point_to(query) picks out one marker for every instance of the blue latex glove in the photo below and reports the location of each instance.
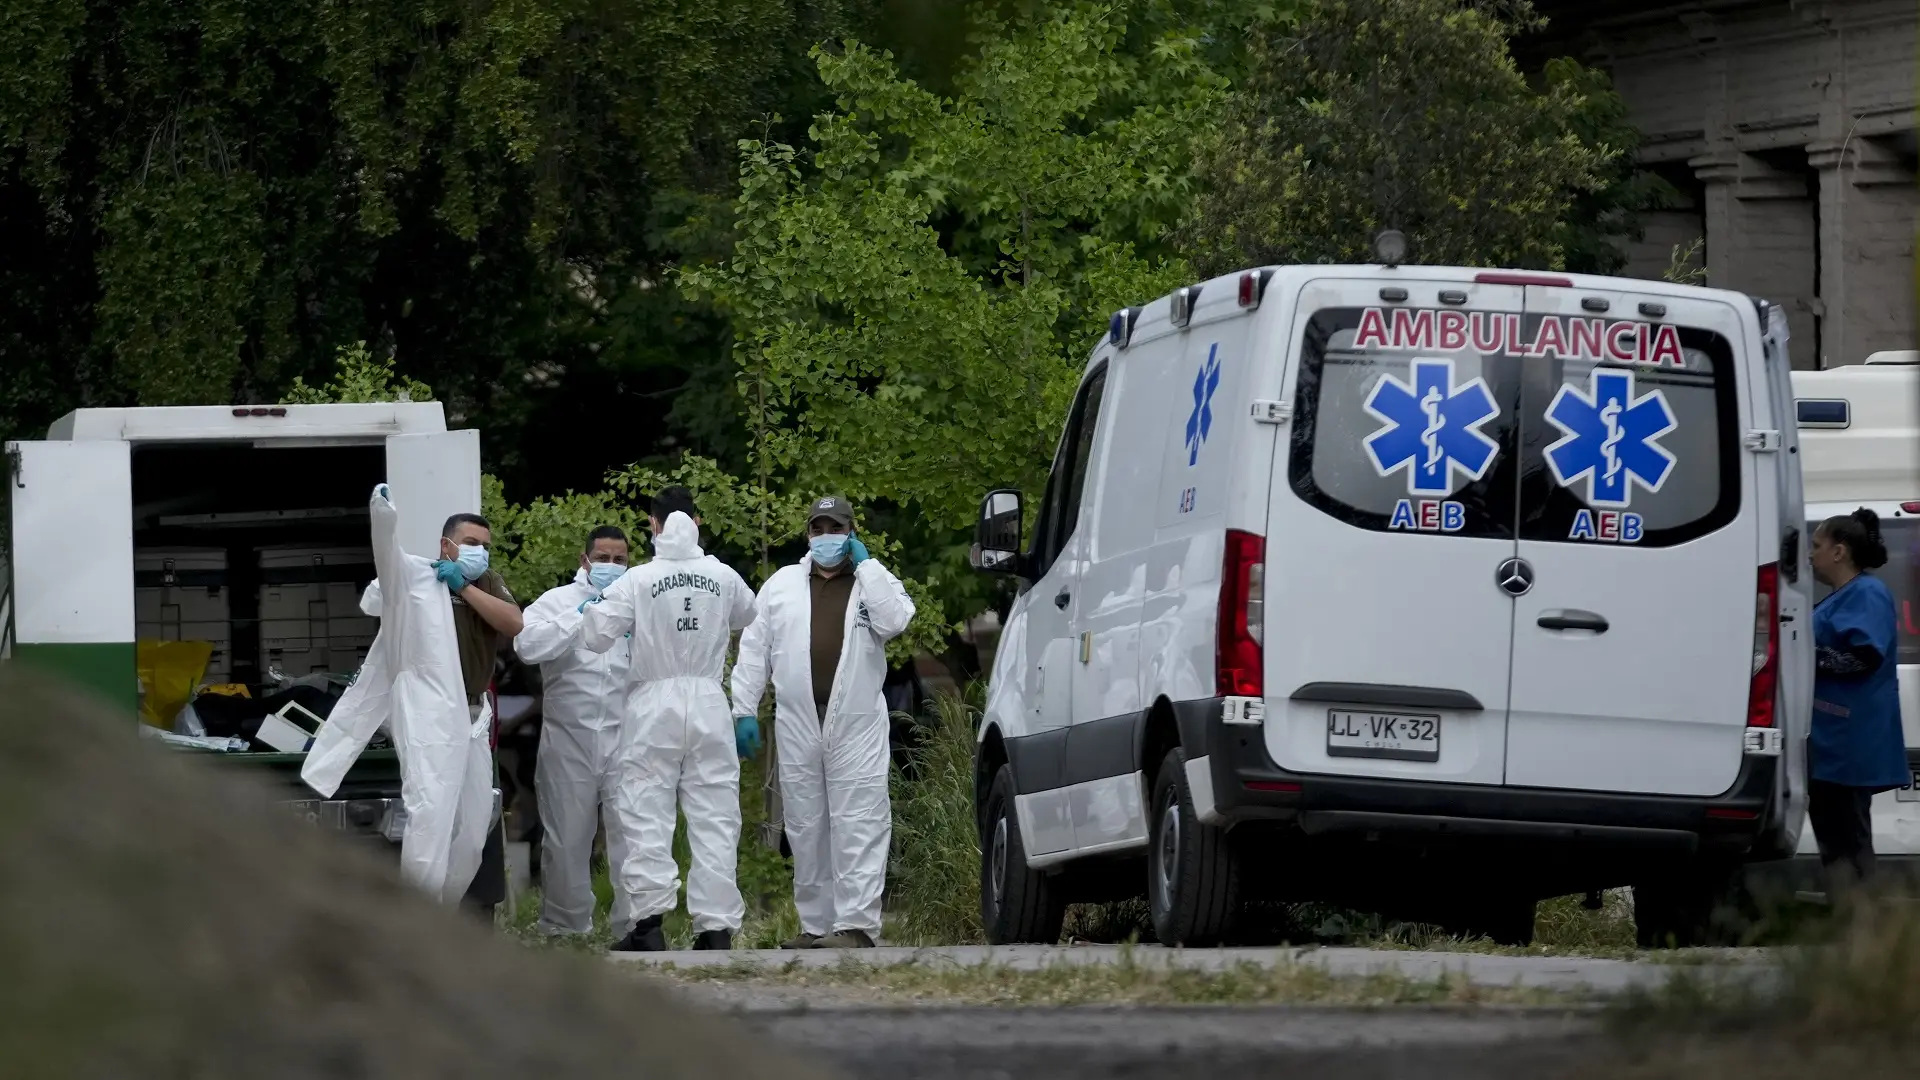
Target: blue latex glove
(450, 575)
(746, 736)
(857, 551)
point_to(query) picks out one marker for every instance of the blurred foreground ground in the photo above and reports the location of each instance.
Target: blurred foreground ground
(161, 920)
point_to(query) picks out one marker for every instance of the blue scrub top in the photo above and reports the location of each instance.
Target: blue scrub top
(1856, 722)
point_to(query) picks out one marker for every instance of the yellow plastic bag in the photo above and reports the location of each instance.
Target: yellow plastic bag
(228, 689)
(170, 672)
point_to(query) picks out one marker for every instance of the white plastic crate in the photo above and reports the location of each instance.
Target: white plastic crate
(309, 622)
(191, 587)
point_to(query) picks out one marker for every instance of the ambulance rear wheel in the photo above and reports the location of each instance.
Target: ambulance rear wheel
(1692, 907)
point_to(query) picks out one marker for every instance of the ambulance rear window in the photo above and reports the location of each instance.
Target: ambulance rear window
(1392, 440)
(1644, 453)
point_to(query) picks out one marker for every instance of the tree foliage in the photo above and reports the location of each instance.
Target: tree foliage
(201, 199)
(913, 301)
(543, 210)
(1361, 115)
(358, 376)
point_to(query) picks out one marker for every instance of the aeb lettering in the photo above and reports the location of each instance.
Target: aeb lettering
(1607, 526)
(1428, 515)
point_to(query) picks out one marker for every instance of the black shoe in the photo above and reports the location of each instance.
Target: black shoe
(713, 941)
(846, 939)
(646, 936)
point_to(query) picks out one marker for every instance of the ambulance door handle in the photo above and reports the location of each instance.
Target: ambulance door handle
(1574, 620)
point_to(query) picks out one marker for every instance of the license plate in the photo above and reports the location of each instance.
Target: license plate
(1910, 793)
(1396, 736)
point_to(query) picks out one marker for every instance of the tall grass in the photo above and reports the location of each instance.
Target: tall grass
(934, 879)
(1846, 1003)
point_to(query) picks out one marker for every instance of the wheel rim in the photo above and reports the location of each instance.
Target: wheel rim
(997, 863)
(1168, 852)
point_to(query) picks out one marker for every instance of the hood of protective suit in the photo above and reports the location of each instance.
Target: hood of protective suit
(679, 538)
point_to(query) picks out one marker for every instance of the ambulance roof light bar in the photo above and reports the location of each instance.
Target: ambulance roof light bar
(1496, 277)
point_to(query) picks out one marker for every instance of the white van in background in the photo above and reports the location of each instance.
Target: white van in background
(1426, 590)
(1860, 446)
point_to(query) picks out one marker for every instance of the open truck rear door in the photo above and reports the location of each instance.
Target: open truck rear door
(69, 497)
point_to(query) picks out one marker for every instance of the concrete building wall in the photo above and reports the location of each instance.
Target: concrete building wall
(1789, 125)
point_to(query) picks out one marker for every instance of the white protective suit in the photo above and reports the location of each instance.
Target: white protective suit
(411, 684)
(583, 699)
(833, 773)
(681, 608)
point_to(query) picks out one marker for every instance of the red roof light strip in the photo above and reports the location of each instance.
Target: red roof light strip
(1497, 278)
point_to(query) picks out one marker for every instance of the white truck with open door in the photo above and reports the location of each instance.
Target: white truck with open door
(1860, 446)
(241, 528)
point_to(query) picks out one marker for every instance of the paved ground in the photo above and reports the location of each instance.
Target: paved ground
(1570, 974)
(1201, 1043)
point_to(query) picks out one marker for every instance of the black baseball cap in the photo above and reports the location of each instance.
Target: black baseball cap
(669, 499)
(833, 508)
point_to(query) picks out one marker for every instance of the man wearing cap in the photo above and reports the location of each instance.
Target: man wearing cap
(820, 631)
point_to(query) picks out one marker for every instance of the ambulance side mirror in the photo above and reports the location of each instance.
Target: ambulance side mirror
(996, 538)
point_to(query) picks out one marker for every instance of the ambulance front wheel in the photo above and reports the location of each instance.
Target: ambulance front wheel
(1018, 905)
(1193, 878)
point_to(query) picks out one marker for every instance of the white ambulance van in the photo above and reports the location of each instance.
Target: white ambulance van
(1860, 446)
(1430, 591)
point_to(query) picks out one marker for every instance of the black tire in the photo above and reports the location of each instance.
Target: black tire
(1193, 879)
(1689, 908)
(1018, 905)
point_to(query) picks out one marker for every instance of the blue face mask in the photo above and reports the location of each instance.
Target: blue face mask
(601, 575)
(828, 549)
(473, 561)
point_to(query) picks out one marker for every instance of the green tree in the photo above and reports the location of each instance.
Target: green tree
(1599, 220)
(358, 376)
(1362, 115)
(913, 301)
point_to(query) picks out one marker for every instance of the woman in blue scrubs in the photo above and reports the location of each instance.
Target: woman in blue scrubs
(1857, 746)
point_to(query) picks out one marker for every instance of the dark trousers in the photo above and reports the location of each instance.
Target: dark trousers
(1842, 820)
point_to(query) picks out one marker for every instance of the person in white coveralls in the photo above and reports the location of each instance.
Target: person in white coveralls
(820, 633)
(584, 698)
(681, 609)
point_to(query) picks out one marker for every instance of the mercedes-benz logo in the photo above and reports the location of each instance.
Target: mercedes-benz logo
(1514, 576)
